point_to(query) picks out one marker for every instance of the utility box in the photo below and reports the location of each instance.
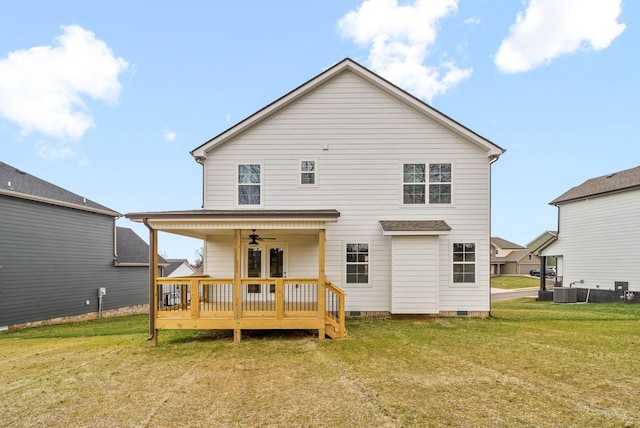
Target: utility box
(565, 295)
(102, 291)
(621, 286)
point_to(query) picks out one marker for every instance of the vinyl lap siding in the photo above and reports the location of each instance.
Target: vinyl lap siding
(369, 135)
(54, 259)
(415, 279)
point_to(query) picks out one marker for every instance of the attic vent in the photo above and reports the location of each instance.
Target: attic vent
(9, 184)
(609, 176)
(21, 172)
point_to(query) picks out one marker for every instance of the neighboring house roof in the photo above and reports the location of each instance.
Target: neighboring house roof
(611, 183)
(516, 255)
(504, 244)
(19, 184)
(131, 250)
(175, 264)
(550, 236)
(493, 150)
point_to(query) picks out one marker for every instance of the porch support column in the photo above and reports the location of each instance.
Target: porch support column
(153, 274)
(543, 273)
(322, 294)
(237, 284)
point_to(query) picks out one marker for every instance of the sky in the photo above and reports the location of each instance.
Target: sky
(107, 98)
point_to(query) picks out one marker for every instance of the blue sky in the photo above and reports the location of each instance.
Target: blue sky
(107, 98)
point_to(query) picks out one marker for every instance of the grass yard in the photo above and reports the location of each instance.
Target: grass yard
(533, 364)
(514, 282)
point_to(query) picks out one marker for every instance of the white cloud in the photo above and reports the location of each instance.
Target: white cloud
(474, 21)
(42, 88)
(168, 136)
(549, 29)
(59, 152)
(400, 39)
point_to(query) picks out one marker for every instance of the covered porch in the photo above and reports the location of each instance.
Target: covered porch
(246, 283)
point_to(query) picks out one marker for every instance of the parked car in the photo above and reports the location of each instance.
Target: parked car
(548, 272)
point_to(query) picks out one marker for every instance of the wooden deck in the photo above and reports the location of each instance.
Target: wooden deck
(249, 304)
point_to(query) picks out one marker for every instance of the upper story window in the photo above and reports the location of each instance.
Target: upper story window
(415, 180)
(464, 263)
(440, 183)
(249, 184)
(307, 172)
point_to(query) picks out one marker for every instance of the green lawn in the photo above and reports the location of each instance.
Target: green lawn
(532, 364)
(513, 282)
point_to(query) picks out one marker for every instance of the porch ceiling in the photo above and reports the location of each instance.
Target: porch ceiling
(200, 223)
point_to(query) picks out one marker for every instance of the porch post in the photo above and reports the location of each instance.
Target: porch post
(322, 294)
(153, 274)
(237, 284)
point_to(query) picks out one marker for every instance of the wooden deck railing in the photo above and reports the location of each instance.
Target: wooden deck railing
(252, 303)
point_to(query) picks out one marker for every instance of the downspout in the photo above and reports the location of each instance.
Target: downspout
(152, 268)
(200, 160)
(492, 159)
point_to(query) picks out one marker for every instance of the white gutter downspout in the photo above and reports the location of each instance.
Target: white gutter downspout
(492, 159)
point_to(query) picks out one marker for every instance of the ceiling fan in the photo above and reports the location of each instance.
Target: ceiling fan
(255, 238)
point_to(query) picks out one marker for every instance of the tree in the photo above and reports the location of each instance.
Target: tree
(199, 258)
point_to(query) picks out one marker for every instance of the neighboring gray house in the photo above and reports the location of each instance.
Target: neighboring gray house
(598, 233)
(57, 249)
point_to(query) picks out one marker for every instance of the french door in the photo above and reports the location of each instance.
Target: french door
(265, 261)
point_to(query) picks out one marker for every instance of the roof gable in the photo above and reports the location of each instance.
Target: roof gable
(628, 179)
(348, 65)
(19, 184)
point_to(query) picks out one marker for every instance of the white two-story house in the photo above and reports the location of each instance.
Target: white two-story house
(352, 182)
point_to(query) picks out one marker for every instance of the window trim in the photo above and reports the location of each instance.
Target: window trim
(260, 184)
(346, 263)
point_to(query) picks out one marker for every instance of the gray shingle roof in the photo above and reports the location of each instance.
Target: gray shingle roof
(17, 183)
(611, 183)
(173, 265)
(131, 248)
(414, 226)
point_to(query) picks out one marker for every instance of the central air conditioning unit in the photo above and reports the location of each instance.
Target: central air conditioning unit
(565, 295)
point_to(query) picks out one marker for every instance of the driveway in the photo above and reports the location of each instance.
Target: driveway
(498, 294)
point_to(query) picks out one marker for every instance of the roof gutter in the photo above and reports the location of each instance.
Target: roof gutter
(152, 282)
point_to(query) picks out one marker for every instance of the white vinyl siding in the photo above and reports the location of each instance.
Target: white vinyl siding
(415, 265)
(362, 136)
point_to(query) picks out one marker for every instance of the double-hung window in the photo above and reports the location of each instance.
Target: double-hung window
(440, 183)
(249, 184)
(421, 179)
(413, 177)
(357, 263)
(464, 263)
(308, 172)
